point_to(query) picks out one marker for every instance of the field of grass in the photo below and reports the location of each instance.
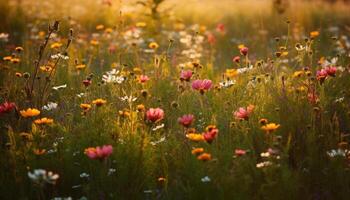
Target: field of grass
(174, 99)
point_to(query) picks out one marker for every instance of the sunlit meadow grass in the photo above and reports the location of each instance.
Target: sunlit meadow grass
(174, 99)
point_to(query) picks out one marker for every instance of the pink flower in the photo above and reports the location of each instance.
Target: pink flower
(99, 153)
(236, 59)
(143, 78)
(312, 97)
(7, 107)
(331, 70)
(211, 38)
(242, 113)
(240, 152)
(321, 75)
(186, 120)
(210, 135)
(244, 51)
(155, 114)
(112, 49)
(186, 75)
(202, 85)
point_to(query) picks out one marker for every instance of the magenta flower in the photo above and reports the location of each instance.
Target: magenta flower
(244, 113)
(186, 75)
(202, 85)
(186, 120)
(155, 114)
(99, 153)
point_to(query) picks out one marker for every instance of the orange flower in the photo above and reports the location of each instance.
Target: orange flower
(204, 157)
(99, 102)
(197, 151)
(44, 121)
(85, 106)
(30, 112)
(39, 152)
(153, 45)
(80, 66)
(56, 45)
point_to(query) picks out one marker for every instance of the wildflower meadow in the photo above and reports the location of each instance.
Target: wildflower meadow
(175, 99)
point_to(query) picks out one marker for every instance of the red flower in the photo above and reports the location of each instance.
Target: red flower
(210, 135)
(155, 114)
(7, 107)
(87, 82)
(186, 120)
(220, 28)
(331, 70)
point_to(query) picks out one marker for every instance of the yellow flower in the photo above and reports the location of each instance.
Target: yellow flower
(314, 34)
(80, 66)
(56, 45)
(137, 70)
(204, 156)
(271, 127)
(231, 73)
(44, 121)
(241, 46)
(46, 68)
(30, 112)
(197, 151)
(141, 24)
(210, 127)
(85, 106)
(284, 53)
(153, 45)
(298, 74)
(99, 102)
(196, 137)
